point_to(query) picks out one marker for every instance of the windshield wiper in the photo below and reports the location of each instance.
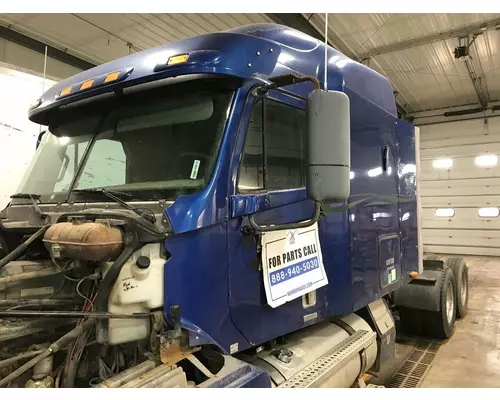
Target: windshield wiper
(148, 215)
(26, 196)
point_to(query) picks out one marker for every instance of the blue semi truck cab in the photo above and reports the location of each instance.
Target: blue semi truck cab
(235, 210)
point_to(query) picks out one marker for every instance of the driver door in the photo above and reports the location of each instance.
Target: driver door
(271, 186)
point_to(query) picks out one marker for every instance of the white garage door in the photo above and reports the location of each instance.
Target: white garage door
(460, 187)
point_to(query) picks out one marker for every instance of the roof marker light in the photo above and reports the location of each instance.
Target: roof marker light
(182, 58)
(87, 84)
(113, 76)
(66, 91)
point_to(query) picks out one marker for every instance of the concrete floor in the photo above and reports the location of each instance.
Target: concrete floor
(471, 358)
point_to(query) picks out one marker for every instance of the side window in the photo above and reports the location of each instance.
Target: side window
(251, 173)
(280, 163)
(285, 153)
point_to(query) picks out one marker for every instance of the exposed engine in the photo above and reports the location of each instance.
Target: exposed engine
(82, 300)
(82, 305)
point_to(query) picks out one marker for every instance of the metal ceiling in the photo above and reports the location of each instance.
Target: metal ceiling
(415, 51)
(98, 38)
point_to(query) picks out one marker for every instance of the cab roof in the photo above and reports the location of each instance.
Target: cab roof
(259, 50)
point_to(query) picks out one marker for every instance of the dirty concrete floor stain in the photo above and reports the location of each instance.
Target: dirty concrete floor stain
(471, 358)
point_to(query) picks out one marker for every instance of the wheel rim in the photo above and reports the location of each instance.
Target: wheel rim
(463, 289)
(450, 306)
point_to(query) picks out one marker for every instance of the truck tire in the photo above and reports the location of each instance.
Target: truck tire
(411, 321)
(440, 324)
(461, 273)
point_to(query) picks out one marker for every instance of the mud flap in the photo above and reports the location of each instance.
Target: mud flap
(423, 292)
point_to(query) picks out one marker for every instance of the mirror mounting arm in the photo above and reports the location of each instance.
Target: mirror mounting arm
(261, 228)
(287, 80)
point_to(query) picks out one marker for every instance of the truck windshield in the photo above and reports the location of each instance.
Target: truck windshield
(154, 148)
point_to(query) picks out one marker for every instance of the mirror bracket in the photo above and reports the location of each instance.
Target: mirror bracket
(285, 80)
(39, 139)
(269, 228)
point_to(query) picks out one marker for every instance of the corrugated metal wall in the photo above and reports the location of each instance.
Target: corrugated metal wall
(460, 179)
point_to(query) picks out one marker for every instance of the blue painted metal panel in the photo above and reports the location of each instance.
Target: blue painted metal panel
(218, 53)
(211, 273)
(370, 212)
(306, 55)
(257, 321)
(196, 279)
(407, 187)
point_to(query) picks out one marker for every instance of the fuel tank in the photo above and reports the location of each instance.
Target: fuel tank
(326, 355)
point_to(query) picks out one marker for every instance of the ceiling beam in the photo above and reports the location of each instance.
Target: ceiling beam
(300, 23)
(296, 21)
(482, 95)
(39, 47)
(454, 33)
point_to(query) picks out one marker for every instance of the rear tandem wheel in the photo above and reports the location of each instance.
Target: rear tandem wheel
(461, 273)
(437, 324)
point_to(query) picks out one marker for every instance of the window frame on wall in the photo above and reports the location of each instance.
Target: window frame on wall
(486, 160)
(259, 109)
(444, 209)
(485, 210)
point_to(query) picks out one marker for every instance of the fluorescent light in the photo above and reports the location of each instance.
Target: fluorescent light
(488, 212)
(375, 172)
(389, 170)
(405, 216)
(352, 174)
(443, 163)
(445, 212)
(352, 217)
(486, 160)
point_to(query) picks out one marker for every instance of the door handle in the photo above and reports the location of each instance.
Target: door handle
(385, 158)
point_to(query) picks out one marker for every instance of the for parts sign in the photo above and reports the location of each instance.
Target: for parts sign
(292, 264)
